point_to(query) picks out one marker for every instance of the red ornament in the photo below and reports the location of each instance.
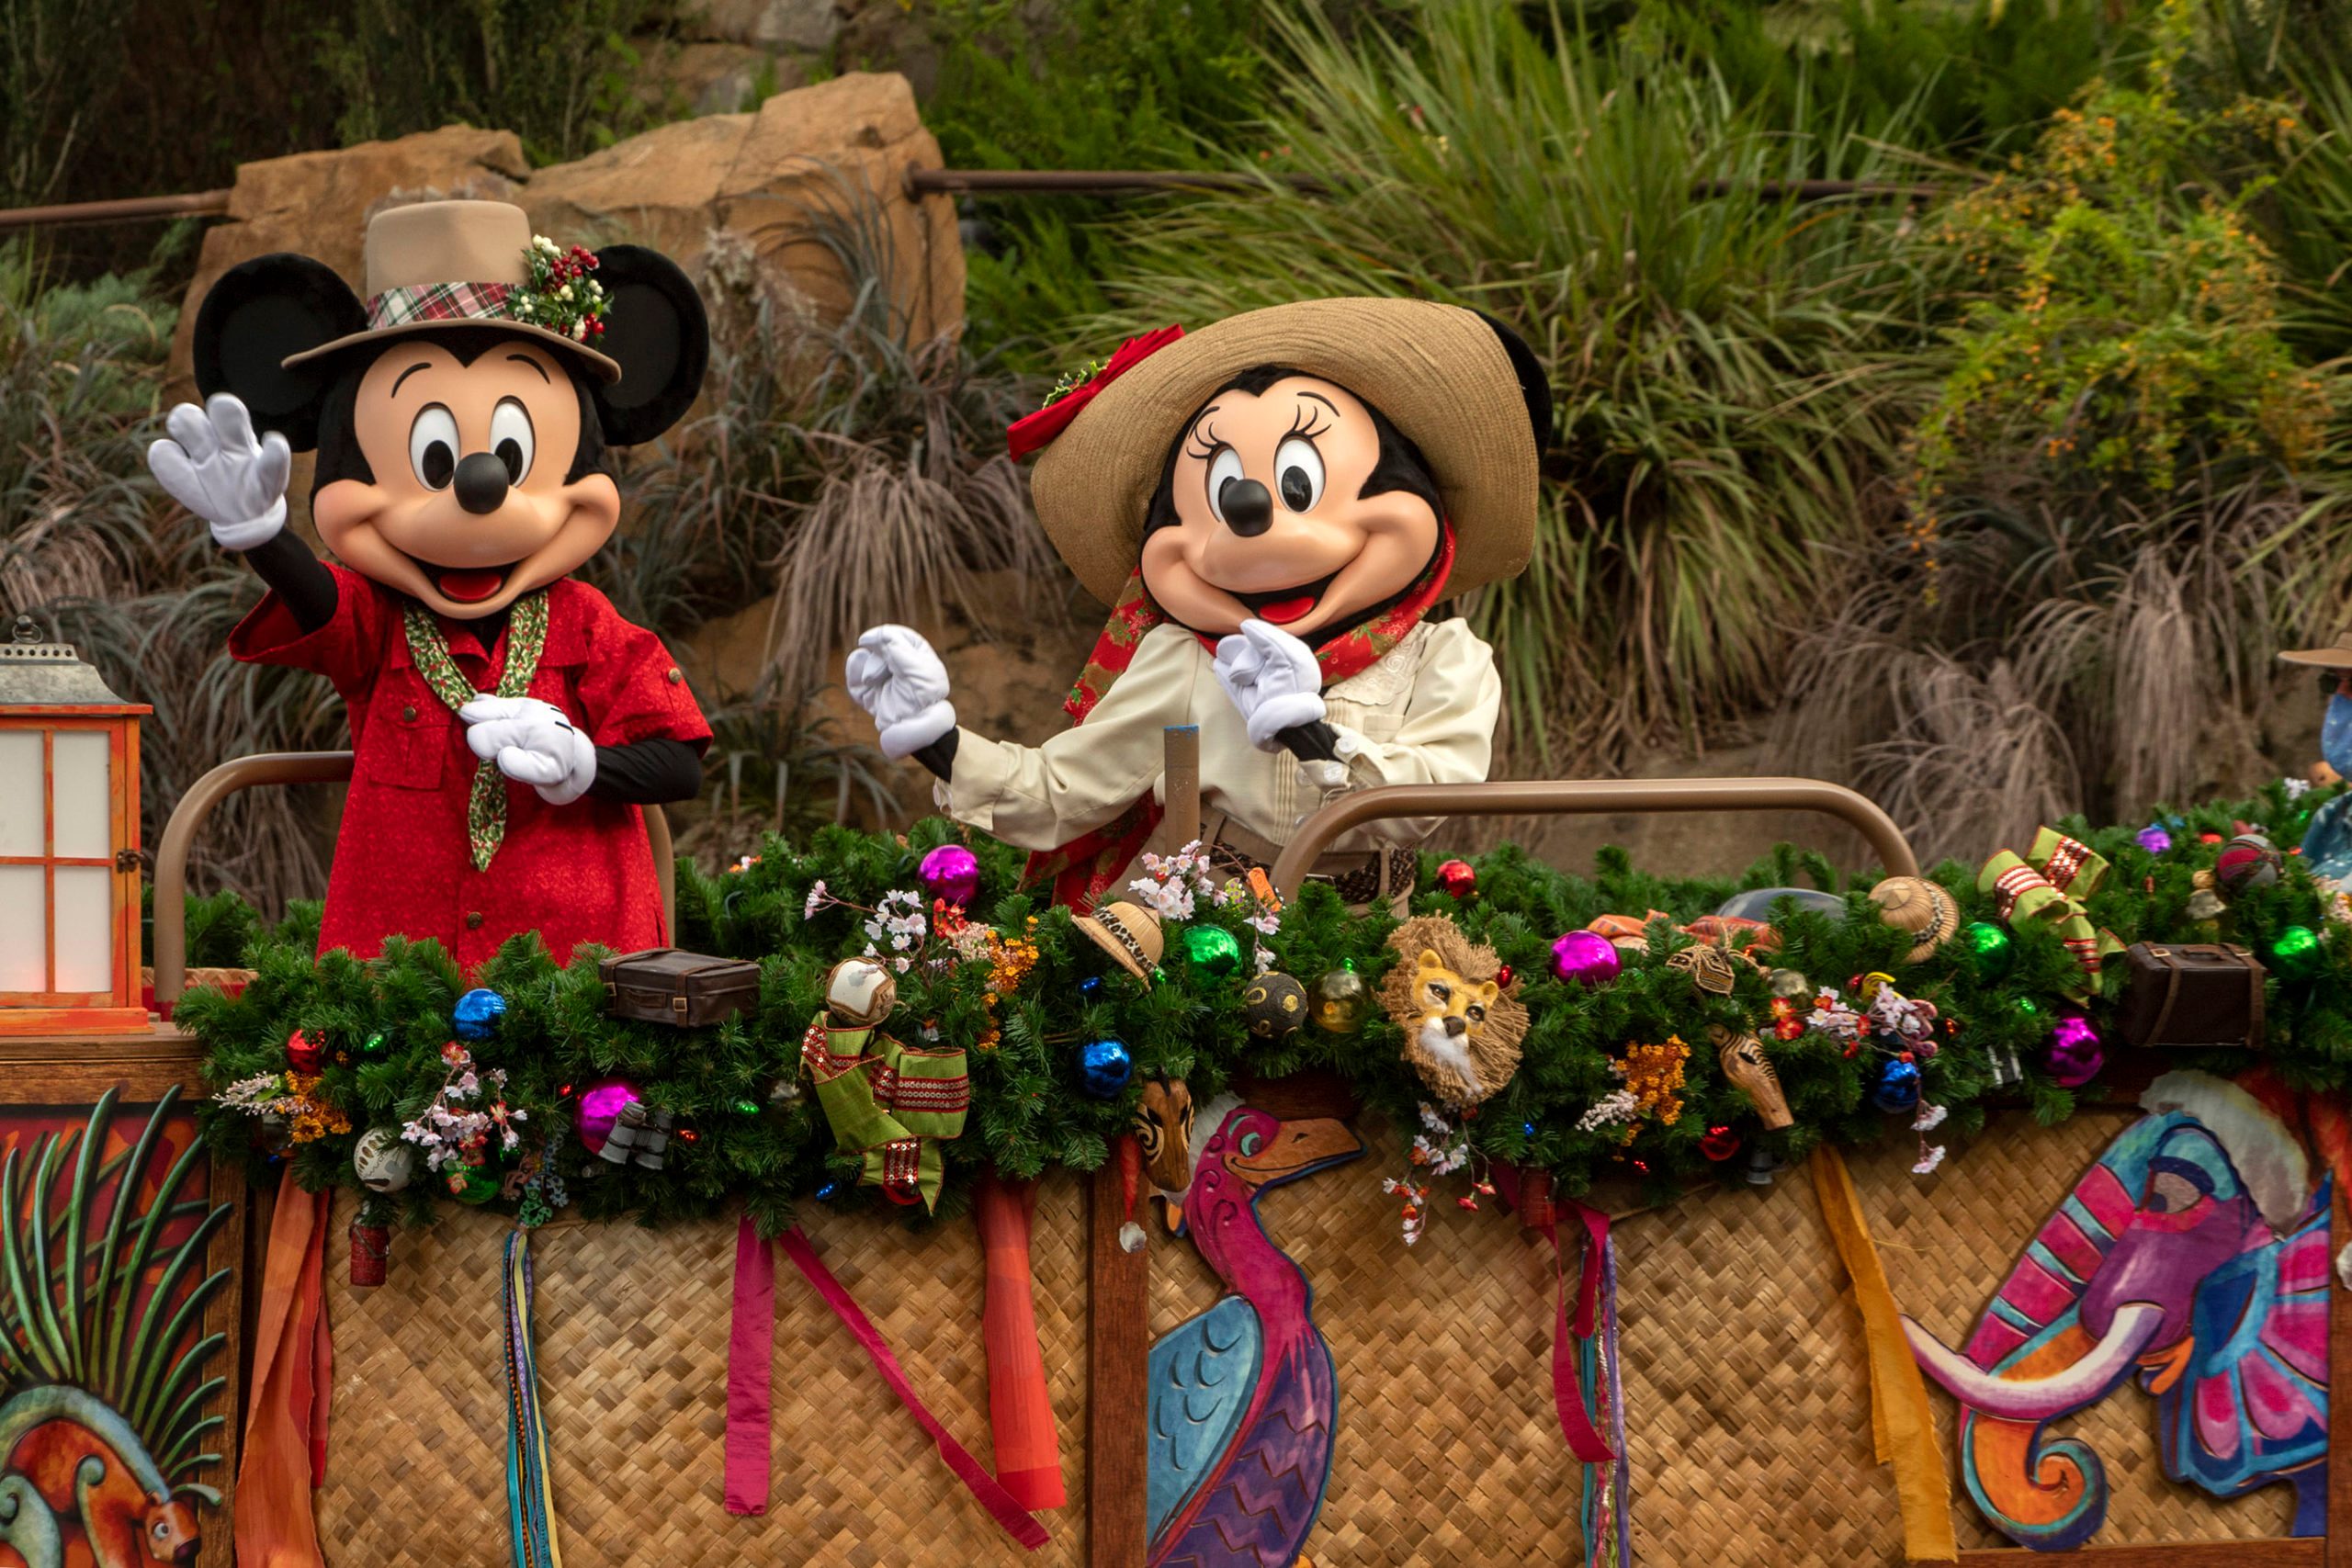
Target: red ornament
(1720, 1143)
(1033, 433)
(305, 1053)
(2209, 838)
(1458, 878)
(1502, 977)
(371, 1246)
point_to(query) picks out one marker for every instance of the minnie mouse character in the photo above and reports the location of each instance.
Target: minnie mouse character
(462, 416)
(1275, 505)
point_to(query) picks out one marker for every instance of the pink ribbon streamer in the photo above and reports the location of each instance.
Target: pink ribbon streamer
(750, 1363)
(1584, 1440)
(1008, 1513)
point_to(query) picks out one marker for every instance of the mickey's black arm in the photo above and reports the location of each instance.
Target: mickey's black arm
(285, 563)
(648, 772)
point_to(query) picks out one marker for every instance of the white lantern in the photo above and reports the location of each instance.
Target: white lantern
(69, 844)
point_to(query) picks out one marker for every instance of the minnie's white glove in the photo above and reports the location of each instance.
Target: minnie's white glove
(1273, 678)
(211, 463)
(533, 743)
(897, 677)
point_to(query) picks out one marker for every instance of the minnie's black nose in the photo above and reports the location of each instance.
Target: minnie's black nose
(480, 483)
(1248, 507)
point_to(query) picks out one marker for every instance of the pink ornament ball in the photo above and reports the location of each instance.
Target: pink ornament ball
(951, 872)
(600, 1108)
(2075, 1055)
(1589, 958)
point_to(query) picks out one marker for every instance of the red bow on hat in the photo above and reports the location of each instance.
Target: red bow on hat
(1031, 432)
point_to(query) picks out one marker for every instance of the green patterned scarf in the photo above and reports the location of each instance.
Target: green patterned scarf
(526, 637)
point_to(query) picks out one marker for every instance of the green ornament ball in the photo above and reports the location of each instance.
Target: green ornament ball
(1988, 941)
(1213, 950)
(473, 1184)
(1341, 1002)
(1275, 1007)
(2297, 952)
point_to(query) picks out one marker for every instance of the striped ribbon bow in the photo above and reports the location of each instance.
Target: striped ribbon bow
(2049, 883)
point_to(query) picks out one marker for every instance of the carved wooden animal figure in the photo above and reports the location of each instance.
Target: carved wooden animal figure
(1462, 1025)
(85, 1463)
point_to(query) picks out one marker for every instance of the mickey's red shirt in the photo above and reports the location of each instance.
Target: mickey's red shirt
(578, 872)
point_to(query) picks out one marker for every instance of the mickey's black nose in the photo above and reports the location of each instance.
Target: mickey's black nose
(1248, 507)
(480, 483)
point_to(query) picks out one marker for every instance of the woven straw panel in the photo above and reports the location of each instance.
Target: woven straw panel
(1747, 1399)
(632, 1329)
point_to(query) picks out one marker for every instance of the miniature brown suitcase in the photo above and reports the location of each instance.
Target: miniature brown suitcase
(2191, 994)
(668, 985)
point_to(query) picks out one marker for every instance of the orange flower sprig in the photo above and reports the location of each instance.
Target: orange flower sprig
(1654, 1075)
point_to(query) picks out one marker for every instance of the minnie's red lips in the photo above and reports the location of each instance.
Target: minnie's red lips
(469, 587)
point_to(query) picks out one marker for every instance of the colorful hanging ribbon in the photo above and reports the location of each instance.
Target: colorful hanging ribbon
(1530, 1193)
(286, 1421)
(1902, 1424)
(530, 1496)
(2048, 884)
(751, 1349)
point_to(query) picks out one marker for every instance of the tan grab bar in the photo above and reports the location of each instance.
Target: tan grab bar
(291, 767)
(1586, 798)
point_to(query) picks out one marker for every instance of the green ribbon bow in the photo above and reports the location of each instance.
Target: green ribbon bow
(889, 1104)
(2047, 883)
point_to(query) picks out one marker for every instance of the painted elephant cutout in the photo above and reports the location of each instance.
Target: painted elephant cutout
(2194, 1252)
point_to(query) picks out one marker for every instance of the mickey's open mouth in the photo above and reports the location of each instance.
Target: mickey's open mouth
(1284, 605)
(466, 584)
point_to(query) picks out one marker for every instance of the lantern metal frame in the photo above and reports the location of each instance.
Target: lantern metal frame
(45, 689)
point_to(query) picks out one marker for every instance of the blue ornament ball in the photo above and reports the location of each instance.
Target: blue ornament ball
(1103, 1067)
(1898, 1086)
(476, 1014)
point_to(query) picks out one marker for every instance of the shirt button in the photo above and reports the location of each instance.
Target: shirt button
(473, 920)
(676, 675)
(408, 712)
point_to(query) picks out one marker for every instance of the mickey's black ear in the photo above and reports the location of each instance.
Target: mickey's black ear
(1533, 386)
(259, 312)
(655, 329)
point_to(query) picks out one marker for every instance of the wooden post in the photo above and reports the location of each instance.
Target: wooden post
(2339, 1389)
(1179, 767)
(1119, 1340)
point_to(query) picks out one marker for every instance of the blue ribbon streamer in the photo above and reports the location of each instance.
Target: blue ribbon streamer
(530, 1504)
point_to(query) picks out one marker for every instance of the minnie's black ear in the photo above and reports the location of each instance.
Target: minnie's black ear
(655, 329)
(259, 312)
(1533, 386)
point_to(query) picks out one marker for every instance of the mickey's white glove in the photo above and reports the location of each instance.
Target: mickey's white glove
(211, 465)
(1273, 678)
(533, 743)
(897, 677)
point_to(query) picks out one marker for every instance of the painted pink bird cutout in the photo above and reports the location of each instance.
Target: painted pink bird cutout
(1243, 1399)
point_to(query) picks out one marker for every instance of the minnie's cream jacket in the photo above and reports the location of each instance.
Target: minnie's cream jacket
(1424, 713)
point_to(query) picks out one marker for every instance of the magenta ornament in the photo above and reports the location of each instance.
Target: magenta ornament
(951, 872)
(600, 1107)
(2076, 1053)
(2154, 839)
(1589, 958)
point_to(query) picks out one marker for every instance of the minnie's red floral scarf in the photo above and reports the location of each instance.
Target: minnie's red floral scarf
(1086, 867)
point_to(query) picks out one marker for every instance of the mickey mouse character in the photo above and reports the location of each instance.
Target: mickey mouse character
(462, 416)
(1274, 504)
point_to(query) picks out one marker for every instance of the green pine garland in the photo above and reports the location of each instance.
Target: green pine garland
(1029, 1113)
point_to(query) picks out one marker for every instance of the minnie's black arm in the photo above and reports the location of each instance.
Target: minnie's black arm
(287, 565)
(940, 755)
(648, 772)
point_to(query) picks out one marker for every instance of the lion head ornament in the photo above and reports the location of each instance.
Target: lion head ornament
(1462, 1023)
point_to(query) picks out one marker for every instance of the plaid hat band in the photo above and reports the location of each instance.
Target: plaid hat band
(440, 302)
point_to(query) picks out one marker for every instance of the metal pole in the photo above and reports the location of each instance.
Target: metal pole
(130, 209)
(1575, 797)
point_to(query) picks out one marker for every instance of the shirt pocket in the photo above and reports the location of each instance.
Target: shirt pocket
(408, 746)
